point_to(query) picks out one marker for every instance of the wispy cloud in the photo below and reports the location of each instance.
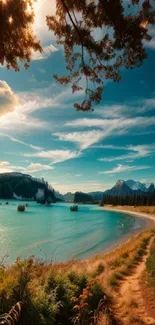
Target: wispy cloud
(135, 152)
(105, 128)
(21, 142)
(123, 168)
(6, 167)
(55, 156)
(84, 139)
(33, 168)
(47, 51)
(19, 122)
(121, 123)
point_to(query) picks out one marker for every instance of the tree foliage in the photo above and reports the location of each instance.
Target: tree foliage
(99, 38)
(16, 35)
(143, 199)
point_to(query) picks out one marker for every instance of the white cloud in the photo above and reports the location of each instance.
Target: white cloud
(6, 167)
(33, 168)
(20, 122)
(84, 139)
(123, 168)
(151, 44)
(106, 127)
(121, 123)
(21, 142)
(55, 156)
(135, 152)
(8, 100)
(43, 9)
(47, 51)
(149, 103)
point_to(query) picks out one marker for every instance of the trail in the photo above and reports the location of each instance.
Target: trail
(129, 307)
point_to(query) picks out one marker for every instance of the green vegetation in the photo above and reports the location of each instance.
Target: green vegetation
(49, 297)
(150, 265)
(82, 197)
(134, 199)
(73, 293)
(24, 186)
(123, 265)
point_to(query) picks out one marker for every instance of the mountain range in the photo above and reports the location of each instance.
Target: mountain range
(22, 186)
(121, 188)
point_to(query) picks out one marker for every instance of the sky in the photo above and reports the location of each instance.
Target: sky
(42, 134)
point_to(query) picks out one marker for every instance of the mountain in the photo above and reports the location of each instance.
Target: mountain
(81, 197)
(69, 197)
(97, 196)
(151, 188)
(23, 186)
(59, 196)
(119, 189)
(135, 185)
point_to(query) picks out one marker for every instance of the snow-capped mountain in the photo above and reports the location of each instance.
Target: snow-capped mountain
(119, 189)
(135, 185)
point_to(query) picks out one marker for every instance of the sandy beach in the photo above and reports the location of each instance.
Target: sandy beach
(131, 212)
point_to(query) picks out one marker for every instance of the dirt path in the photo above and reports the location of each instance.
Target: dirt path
(129, 307)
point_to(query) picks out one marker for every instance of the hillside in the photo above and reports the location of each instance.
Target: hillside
(81, 197)
(69, 197)
(22, 186)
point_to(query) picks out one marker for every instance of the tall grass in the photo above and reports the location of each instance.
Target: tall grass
(73, 293)
(150, 265)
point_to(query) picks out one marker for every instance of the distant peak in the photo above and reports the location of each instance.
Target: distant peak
(120, 182)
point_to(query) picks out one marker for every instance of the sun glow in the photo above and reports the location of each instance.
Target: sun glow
(10, 20)
(29, 9)
(4, 1)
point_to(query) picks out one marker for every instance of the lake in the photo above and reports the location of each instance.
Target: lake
(55, 233)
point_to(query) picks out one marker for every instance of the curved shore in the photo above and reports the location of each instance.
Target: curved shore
(131, 212)
(149, 223)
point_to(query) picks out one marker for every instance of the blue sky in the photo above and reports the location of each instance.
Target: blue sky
(42, 134)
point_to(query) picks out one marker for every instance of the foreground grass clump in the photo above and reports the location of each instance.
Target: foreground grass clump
(50, 296)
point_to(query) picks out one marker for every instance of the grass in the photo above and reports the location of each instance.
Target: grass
(143, 209)
(77, 292)
(150, 266)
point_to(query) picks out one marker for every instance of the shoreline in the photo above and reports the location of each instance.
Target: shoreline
(135, 213)
(149, 223)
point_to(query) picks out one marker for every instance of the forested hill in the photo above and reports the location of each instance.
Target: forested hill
(22, 186)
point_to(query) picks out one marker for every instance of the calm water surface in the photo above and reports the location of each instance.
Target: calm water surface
(57, 233)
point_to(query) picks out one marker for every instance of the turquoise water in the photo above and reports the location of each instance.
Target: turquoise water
(55, 233)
